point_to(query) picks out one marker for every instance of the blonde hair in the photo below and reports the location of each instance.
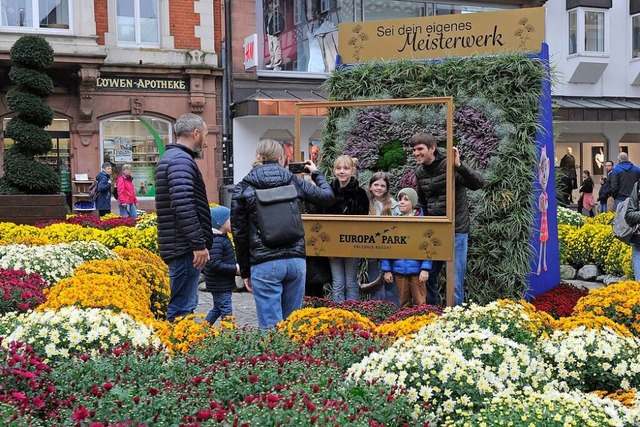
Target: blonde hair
(126, 166)
(347, 161)
(268, 150)
(386, 203)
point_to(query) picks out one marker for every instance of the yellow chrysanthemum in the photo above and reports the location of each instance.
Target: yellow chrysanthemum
(184, 334)
(590, 320)
(619, 302)
(305, 324)
(112, 292)
(405, 327)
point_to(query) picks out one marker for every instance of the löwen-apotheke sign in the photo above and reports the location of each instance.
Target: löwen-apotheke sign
(516, 30)
(141, 83)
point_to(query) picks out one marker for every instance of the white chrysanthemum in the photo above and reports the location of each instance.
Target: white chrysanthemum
(88, 331)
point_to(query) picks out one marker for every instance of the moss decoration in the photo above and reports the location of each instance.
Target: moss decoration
(31, 57)
(495, 122)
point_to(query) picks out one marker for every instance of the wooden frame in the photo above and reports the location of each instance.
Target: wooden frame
(428, 237)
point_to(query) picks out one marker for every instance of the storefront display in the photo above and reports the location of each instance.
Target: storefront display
(139, 141)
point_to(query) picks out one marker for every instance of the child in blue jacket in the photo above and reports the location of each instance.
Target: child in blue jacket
(221, 270)
(410, 275)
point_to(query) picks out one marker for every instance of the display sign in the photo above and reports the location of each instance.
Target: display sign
(106, 82)
(516, 30)
(251, 51)
(395, 237)
(143, 180)
(122, 150)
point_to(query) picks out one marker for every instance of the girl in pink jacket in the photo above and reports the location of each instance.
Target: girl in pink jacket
(127, 199)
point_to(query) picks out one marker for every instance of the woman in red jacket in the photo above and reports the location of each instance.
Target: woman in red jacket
(127, 199)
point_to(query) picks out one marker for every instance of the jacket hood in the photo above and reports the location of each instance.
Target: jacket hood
(268, 175)
(624, 166)
(440, 153)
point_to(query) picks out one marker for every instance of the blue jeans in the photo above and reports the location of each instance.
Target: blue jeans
(221, 306)
(128, 209)
(617, 202)
(388, 291)
(345, 278)
(635, 261)
(603, 207)
(183, 280)
(461, 242)
(278, 289)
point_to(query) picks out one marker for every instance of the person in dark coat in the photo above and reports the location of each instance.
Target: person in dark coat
(623, 177)
(604, 193)
(351, 199)
(221, 270)
(274, 273)
(103, 201)
(431, 174)
(586, 200)
(184, 219)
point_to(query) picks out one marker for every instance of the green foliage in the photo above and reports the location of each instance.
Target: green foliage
(31, 56)
(30, 107)
(28, 175)
(392, 156)
(32, 51)
(32, 80)
(499, 244)
(29, 139)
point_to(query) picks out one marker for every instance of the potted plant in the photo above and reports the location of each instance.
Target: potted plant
(30, 190)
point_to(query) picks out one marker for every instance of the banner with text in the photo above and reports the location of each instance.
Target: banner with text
(520, 30)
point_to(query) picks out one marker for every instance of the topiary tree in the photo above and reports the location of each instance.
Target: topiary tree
(31, 56)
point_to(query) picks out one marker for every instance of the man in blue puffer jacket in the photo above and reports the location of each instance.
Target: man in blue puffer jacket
(184, 219)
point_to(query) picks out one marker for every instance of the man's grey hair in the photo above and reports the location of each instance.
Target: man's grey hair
(187, 123)
(106, 165)
(623, 157)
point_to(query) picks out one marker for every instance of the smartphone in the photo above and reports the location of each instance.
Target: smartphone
(298, 168)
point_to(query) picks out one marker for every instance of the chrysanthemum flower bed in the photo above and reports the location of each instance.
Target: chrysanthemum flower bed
(97, 352)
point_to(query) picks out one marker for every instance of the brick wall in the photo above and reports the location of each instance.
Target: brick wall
(102, 22)
(182, 20)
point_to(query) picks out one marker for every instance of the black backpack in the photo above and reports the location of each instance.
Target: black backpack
(93, 190)
(279, 215)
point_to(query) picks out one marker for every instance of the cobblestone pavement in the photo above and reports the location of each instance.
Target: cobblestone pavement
(243, 306)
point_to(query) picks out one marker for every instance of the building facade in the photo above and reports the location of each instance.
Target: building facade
(123, 72)
(265, 89)
(595, 53)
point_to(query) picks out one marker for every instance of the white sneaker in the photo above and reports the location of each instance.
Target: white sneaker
(269, 65)
(277, 69)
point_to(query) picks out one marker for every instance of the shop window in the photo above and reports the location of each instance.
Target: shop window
(138, 22)
(635, 36)
(59, 158)
(35, 14)
(588, 31)
(138, 141)
(302, 35)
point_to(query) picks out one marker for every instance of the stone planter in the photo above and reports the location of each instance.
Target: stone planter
(28, 209)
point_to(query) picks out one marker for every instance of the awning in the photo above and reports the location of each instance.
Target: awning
(574, 102)
(274, 102)
(596, 109)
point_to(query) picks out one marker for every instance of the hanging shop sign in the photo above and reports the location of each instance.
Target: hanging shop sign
(516, 30)
(141, 83)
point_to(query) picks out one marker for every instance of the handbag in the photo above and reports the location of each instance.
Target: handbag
(371, 287)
